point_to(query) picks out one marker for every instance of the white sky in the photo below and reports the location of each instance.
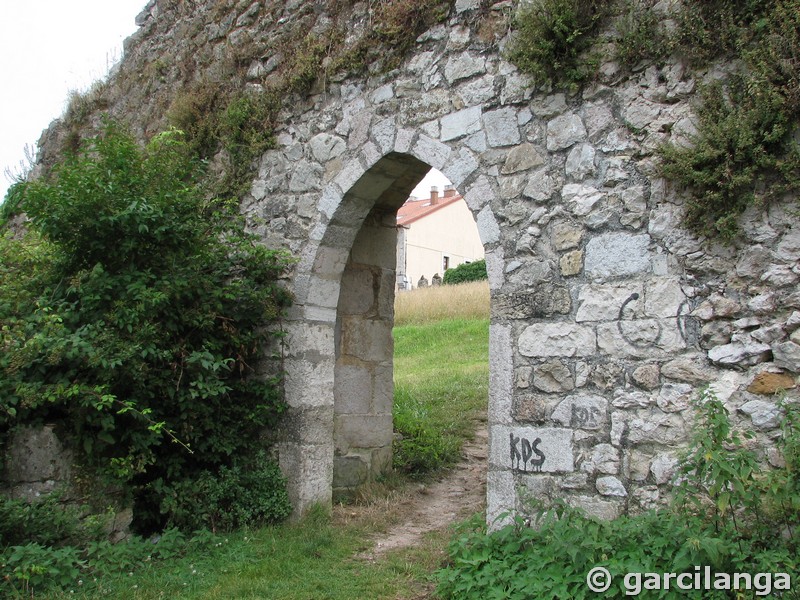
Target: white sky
(49, 48)
(53, 47)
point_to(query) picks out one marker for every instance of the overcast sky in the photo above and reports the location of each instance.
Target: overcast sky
(49, 48)
(53, 47)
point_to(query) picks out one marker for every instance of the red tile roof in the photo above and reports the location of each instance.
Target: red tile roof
(414, 210)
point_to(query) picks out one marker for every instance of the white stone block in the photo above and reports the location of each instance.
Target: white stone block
(557, 339)
(532, 449)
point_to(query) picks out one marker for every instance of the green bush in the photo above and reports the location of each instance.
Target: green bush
(139, 321)
(744, 153)
(248, 494)
(552, 37)
(474, 271)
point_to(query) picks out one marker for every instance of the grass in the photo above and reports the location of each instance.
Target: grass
(441, 381)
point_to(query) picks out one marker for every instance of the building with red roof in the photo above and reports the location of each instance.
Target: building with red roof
(434, 234)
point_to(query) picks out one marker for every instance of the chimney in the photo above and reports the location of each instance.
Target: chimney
(434, 195)
(449, 191)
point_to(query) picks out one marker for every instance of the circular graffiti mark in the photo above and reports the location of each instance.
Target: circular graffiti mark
(644, 334)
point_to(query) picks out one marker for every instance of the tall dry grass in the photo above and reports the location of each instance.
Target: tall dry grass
(427, 305)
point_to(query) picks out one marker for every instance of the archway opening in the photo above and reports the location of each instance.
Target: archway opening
(380, 265)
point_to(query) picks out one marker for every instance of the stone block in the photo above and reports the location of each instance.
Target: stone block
(350, 471)
(609, 302)
(640, 338)
(787, 356)
(366, 339)
(582, 411)
(501, 373)
(357, 294)
(564, 131)
(462, 66)
(461, 123)
(617, 255)
(432, 152)
(571, 263)
(362, 431)
(553, 376)
(610, 486)
(544, 340)
(768, 384)
(353, 388)
(521, 158)
(501, 127)
(532, 449)
(488, 228)
(595, 507)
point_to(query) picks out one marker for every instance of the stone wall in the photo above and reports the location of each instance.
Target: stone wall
(606, 314)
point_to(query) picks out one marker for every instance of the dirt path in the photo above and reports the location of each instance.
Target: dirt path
(459, 494)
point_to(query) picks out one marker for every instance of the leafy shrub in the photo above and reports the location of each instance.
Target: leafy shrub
(465, 272)
(45, 521)
(143, 319)
(552, 37)
(640, 36)
(744, 153)
(247, 494)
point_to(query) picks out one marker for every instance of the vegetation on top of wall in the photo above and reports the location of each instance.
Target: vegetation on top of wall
(134, 314)
(745, 151)
(553, 37)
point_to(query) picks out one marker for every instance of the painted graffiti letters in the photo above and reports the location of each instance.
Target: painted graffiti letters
(525, 453)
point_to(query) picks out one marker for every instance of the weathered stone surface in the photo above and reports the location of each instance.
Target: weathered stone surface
(582, 199)
(564, 131)
(647, 376)
(521, 158)
(501, 127)
(691, 370)
(787, 356)
(571, 263)
(716, 307)
(663, 468)
(611, 486)
(675, 397)
(324, 146)
(461, 123)
(582, 411)
(654, 426)
(617, 255)
(542, 301)
(764, 415)
(739, 355)
(580, 161)
(567, 236)
(603, 458)
(595, 507)
(553, 376)
(767, 384)
(557, 339)
(462, 66)
(631, 399)
(532, 449)
(36, 462)
(607, 302)
(639, 338)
